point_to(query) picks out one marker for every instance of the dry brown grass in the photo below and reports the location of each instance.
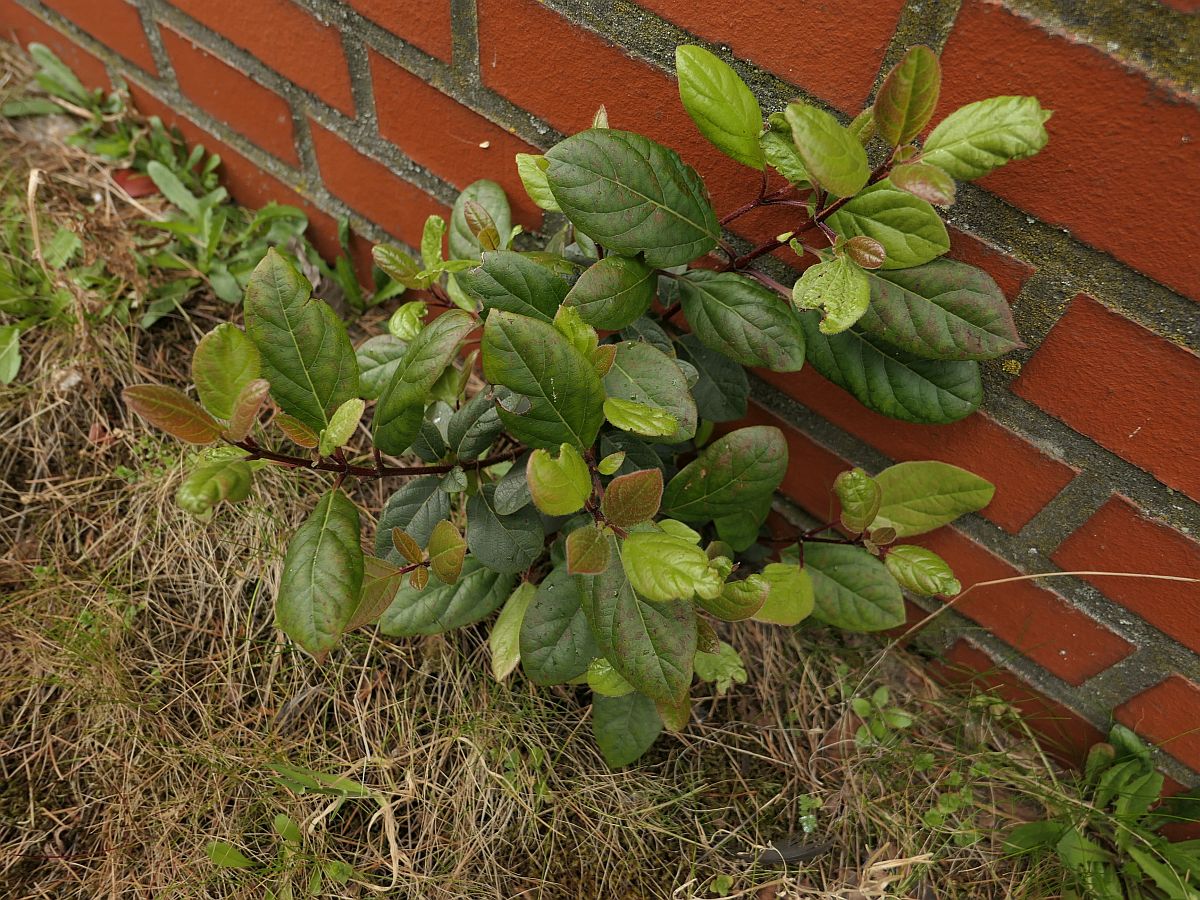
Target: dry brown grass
(144, 692)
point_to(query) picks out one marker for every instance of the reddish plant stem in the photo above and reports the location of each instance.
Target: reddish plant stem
(344, 469)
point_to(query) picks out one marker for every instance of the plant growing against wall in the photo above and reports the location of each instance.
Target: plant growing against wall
(580, 487)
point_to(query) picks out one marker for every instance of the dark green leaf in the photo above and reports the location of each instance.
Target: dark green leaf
(512, 490)
(624, 727)
(643, 374)
(733, 472)
(909, 229)
(720, 104)
(513, 282)
(852, 588)
(416, 508)
(723, 389)
(556, 640)
(614, 292)
(503, 543)
(908, 96)
(443, 607)
(632, 195)
(474, 427)
(742, 319)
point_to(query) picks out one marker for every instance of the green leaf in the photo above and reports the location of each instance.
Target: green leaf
(738, 600)
(633, 498)
(305, 352)
(893, 382)
(431, 242)
(941, 310)
(559, 486)
(219, 476)
(790, 599)
(979, 137)
(378, 358)
(398, 265)
(720, 104)
(415, 508)
(921, 571)
(511, 281)
(10, 353)
(504, 543)
(832, 155)
(512, 490)
(227, 856)
(401, 407)
(603, 679)
(740, 530)
(852, 589)
(173, 411)
(224, 362)
(443, 607)
(489, 195)
(533, 359)
(724, 668)
(341, 426)
(587, 550)
(504, 641)
(908, 96)
(664, 567)
(743, 320)
(611, 463)
(839, 288)
(408, 320)
(629, 415)
(780, 150)
(614, 292)
(322, 575)
(556, 640)
(474, 427)
(643, 374)
(722, 392)
(923, 495)
(927, 182)
(174, 190)
(734, 472)
(1034, 836)
(632, 195)
(446, 551)
(910, 230)
(859, 495)
(624, 727)
(532, 170)
(650, 644)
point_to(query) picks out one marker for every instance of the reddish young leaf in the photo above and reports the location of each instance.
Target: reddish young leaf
(603, 358)
(588, 551)
(928, 182)
(908, 96)
(406, 546)
(419, 578)
(381, 581)
(245, 408)
(172, 411)
(296, 431)
(866, 251)
(633, 498)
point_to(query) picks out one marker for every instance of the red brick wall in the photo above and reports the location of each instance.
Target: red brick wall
(379, 110)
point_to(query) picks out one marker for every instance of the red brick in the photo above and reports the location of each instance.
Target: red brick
(1168, 715)
(1026, 478)
(1120, 538)
(114, 23)
(454, 149)
(801, 41)
(1129, 390)
(1009, 273)
(372, 189)
(1069, 736)
(425, 24)
(22, 27)
(1036, 622)
(1120, 144)
(1183, 6)
(284, 37)
(249, 108)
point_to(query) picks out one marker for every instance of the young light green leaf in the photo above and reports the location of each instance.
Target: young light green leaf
(977, 138)
(611, 463)
(432, 236)
(908, 96)
(173, 411)
(436, 608)
(532, 170)
(224, 362)
(507, 544)
(633, 195)
(220, 475)
(639, 418)
(831, 154)
(614, 292)
(606, 681)
(925, 181)
(341, 426)
(723, 668)
(741, 319)
(512, 281)
(941, 310)
(892, 381)
(839, 288)
(624, 727)
(923, 495)
(852, 589)
(643, 374)
(556, 640)
(504, 641)
(663, 567)
(398, 265)
(587, 550)
(633, 498)
(921, 571)
(306, 354)
(559, 486)
(398, 414)
(322, 575)
(862, 126)
(909, 229)
(780, 150)
(227, 856)
(446, 552)
(859, 495)
(720, 104)
(738, 600)
(790, 599)
(408, 320)
(600, 117)
(571, 326)
(734, 472)
(723, 389)
(489, 195)
(564, 392)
